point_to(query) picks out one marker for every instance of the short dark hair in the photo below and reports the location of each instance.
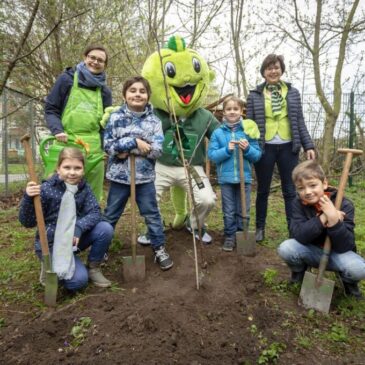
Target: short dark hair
(99, 47)
(308, 170)
(235, 99)
(271, 59)
(131, 80)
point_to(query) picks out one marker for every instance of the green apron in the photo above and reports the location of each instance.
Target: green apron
(81, 119)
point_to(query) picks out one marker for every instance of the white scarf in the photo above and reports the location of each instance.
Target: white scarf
(63, 260)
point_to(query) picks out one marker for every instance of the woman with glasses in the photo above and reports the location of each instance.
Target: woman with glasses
(76, 104)
(276, 107)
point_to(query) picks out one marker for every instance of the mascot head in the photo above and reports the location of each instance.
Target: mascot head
(187, 77)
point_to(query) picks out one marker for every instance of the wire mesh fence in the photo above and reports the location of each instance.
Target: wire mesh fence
(23, 114)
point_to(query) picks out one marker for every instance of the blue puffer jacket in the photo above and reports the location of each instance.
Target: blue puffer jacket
(227, 161)
(121, 131)
(299, 132)
(88, 213)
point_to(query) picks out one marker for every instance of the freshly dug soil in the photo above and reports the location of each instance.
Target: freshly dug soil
(231, 319)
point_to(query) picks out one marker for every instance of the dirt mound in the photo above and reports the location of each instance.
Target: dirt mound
(232, 319)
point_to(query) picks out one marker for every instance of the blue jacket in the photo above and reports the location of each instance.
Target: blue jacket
(121, 131)
(227, 161)
(306, 227)
(57, 99)
(87, 208)
(299, 132)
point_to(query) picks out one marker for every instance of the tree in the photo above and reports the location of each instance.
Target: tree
(328, 32)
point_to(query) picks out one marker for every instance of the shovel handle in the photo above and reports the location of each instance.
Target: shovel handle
(37, 200)
(132, 162)
(242, 183)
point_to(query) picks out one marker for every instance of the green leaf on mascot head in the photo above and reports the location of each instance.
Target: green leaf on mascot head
(187, 77)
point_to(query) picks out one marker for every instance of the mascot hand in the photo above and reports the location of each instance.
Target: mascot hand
(251, 129)
(106, 115)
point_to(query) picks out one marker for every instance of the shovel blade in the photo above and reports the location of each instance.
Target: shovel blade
(51, 287)
(246, 243)
(316, 296)
(134, 269)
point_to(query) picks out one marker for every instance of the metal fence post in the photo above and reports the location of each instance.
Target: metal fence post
(352, 126)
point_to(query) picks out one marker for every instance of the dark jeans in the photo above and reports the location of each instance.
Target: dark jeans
(231, 206)
(286, 160)
(147, 205)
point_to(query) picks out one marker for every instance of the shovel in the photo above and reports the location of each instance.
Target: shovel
(134, 267)
(316, 291)
(245, 240)
(50, 293)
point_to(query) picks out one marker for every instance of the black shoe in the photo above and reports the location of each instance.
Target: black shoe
(297, 277)
(163, 258)
(260, 234)
(352, 290)
(229, 243)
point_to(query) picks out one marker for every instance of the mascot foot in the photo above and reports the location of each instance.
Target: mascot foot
(179, 221)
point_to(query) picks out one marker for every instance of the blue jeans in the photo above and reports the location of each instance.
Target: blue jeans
(286, 160)
(231, 206)
(349, 265)
(99, 239)
(147, 205)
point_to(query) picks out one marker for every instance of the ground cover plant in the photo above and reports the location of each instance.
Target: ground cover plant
(244, 312)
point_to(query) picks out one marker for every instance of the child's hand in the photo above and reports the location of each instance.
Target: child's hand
(33, 189)
(243, 144)
(75, 242)
(123, 155)
(330, 211)
(143, 146)
(61, 137)
(231, 145)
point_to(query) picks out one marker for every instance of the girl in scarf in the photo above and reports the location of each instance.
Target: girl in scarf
(73, 223)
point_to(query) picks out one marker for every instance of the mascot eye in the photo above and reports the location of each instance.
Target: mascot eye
(170, 69)
(196, 65)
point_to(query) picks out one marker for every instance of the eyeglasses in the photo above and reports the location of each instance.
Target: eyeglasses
(96, 59)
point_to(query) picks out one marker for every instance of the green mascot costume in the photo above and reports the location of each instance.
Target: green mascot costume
(179, 79)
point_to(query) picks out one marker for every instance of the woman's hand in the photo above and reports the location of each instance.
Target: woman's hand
(61, 137)
(32, 189)
(75, 242)
(310, 154)
(143, 146)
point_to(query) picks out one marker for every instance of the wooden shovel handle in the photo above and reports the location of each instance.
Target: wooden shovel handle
(339, 197)
(37, 200)
(132, 161)
(242, 183)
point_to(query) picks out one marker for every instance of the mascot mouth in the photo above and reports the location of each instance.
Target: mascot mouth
(185, 93)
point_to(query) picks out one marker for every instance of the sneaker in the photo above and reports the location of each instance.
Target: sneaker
(163, 258)
(206, 237)
(97, 277)
(297, 277)
(42, 275)
(144, 240)
(229, 243)
(352, 290)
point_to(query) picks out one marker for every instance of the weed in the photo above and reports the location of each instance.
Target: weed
(271, 353)
(338, 333)
(79, 330)
(2, 322)
(303, 341)
(271, 280)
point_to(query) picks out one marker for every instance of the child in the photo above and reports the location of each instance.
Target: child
(233, 137)
(134, 129)
(315, 217)
(73, 222)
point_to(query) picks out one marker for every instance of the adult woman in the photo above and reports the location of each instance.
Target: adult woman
(276, 108)
(76, 105)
